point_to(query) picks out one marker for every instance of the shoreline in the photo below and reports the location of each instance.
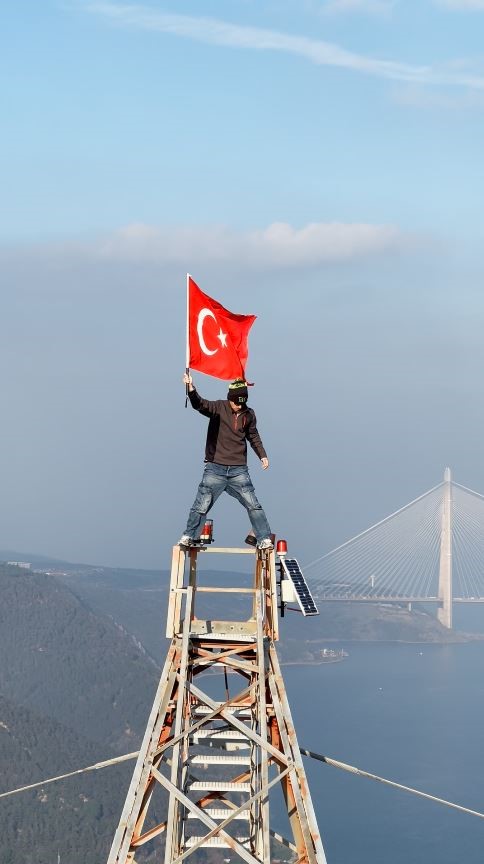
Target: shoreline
(354, 642)
(313, 662)
(462, 638)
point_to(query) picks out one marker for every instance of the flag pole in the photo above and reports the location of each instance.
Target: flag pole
(187, 354)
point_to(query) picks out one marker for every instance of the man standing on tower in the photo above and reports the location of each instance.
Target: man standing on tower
(231, 424)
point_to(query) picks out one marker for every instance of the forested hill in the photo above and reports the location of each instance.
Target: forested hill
(75, 817)
(75, 689)
(137, 599)
(61, 659)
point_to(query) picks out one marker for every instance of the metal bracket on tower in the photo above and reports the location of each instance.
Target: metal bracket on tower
(220, 737)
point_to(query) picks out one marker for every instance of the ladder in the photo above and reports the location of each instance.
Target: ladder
(220, 737)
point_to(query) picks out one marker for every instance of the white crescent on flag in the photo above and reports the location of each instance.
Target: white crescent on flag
(204, 313)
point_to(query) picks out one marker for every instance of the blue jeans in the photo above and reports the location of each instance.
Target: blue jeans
(235, 480)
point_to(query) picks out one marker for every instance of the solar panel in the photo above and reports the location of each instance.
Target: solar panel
(292, 571)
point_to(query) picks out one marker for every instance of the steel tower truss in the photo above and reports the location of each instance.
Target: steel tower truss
(220, 744)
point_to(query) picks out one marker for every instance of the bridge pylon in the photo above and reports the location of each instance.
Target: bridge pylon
(220, 739)
(444, 611)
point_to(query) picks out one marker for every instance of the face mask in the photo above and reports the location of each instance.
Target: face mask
(238, 395)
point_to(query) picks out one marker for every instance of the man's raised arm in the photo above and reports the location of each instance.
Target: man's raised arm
(204, 406)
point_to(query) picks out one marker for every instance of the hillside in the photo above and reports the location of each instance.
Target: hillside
(302, 639)
(76, 689)
(137, 600)
(63, 660)
(76, 817)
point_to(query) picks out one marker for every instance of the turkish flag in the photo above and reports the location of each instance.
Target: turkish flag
(217, 338)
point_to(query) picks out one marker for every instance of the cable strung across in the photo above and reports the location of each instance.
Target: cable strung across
(327, 760)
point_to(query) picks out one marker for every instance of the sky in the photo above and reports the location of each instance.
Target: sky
(315, 163)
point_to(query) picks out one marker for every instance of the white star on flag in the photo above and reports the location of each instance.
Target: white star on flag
(223, 338)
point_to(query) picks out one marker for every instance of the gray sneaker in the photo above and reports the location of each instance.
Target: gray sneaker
(266, 543)
(185, 540)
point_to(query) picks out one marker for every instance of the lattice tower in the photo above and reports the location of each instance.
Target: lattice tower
(220, 742)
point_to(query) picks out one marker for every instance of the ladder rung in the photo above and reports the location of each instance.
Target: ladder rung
(221, 813)
(218, 786)
(211, 759)
(242, 711)
(216, 841)
(220, 746)
(216, 734)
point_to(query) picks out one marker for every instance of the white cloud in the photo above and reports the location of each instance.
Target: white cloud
(213, 31)
(278, 245)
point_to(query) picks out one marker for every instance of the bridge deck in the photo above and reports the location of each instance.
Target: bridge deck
(355, 598)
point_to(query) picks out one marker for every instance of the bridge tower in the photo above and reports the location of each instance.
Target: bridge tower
(220, 740)
(444, 612)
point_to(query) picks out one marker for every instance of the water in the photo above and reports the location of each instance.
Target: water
(410, 713)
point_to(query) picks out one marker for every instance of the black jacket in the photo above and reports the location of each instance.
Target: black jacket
(228, 431)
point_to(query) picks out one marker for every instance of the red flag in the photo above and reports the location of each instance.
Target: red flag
(217, 338)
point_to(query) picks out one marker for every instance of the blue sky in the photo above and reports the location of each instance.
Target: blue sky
(316, 163)
(173, 114)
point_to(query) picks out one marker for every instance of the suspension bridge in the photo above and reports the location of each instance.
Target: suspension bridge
(431, 550)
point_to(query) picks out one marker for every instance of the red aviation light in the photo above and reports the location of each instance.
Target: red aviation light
(281, 547)
(206, 534)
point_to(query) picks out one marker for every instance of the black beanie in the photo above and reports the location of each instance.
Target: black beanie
(238, 392)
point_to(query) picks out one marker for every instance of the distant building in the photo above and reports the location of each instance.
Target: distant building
(25, 564)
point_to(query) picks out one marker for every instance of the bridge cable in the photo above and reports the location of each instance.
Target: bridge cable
(404, 546)
(399, 557)
(378, 524)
